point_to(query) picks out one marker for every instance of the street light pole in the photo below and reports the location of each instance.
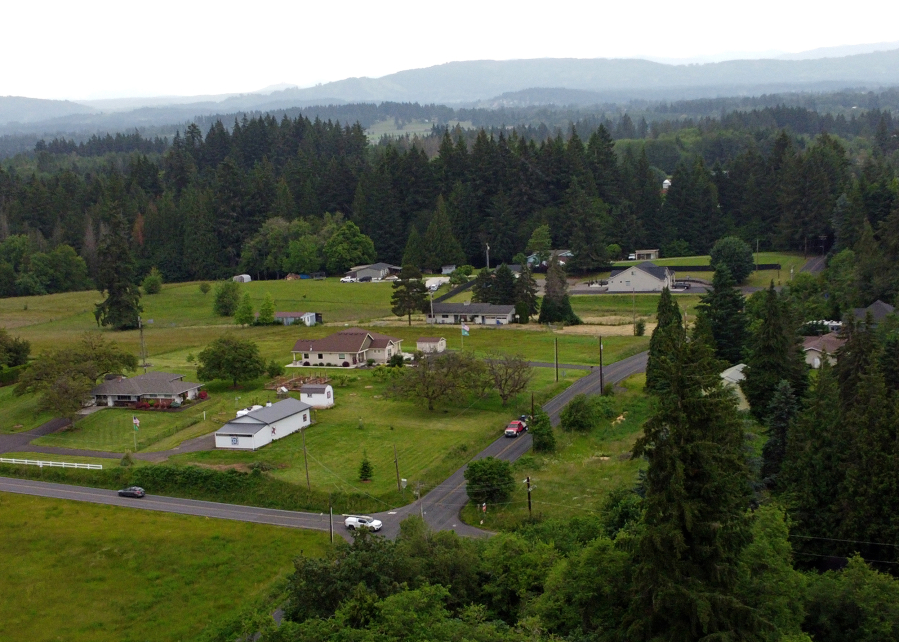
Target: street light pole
(602, 383)
(488, 255)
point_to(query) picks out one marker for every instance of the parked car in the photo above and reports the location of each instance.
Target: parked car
(684, 285)
(348, 279)
(515, 428)
(352, 522)
(364, 279)
(631, 257)
(132, 491)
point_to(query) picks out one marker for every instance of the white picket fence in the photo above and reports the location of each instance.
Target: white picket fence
(56, 464)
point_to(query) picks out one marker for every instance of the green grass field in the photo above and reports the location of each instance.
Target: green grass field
(625, 306)
(20, 413)
(762, 278)
(585, 467)
(83, 572)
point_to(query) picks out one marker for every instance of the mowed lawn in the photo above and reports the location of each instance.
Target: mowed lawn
(82, 572)
(20, 413)
(364, 422)
(761, 278)
(585, 467)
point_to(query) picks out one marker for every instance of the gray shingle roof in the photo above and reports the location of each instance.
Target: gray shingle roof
(278, 411)
(649, 267)
(151, 383)
(879, 310)
(473, 308)
(314, 389)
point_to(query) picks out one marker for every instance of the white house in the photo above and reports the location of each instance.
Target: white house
(478, 313)
(431, 344)
(374, 271)
(816, 347)
(242, 278)
(645, 277)
(317, 395)
(732, 378)
(259, 428)
(296, 318)
(348, 348)
(152, 386)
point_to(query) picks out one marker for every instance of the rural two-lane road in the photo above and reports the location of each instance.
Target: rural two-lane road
(440, 506)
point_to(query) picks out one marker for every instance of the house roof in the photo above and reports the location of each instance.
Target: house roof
(472, 308)
(429, 339)
(350, 340)
(656, 271)
(879, 310)
(291, 315)
(734, 374)
(232, 429)
(151, 383)
(829, 343)
(314, 389)
(375, 266)
(278, 411)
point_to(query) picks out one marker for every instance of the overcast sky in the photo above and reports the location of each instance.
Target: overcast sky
(105, 49)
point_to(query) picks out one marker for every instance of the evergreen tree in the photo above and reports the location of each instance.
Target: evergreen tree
(855, 358)
(409, 293)
(244, 315)
(116, 277)
(482, 291)
(695, 525)
(781, 411)
(556, 307)
(267, 311)
(735, 254)
(723, 308)
(526, 302)
(669, 327)
(774, 354)
(503, 286)
(590, 220)
(414, 254)
(440, 245)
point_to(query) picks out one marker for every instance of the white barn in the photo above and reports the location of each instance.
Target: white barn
(317, 395)
(259, 428)
(431, 344)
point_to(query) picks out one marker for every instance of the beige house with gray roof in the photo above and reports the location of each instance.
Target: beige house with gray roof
(152, 386)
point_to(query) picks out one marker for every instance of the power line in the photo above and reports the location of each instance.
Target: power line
(848, 541)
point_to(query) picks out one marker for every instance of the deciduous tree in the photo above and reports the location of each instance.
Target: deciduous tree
(230, 358)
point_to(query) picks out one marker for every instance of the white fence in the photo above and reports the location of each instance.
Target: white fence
(57, 464)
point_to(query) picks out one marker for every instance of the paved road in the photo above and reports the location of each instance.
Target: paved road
(814, 265)
(440, 506)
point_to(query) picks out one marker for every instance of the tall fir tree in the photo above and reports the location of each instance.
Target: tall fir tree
(503, 286)
(440, 245)
(409, 293)
(695, 526)
(669, 327)
(556, 306)
(116, 275)
(414, 253)
(527, 304)
(781, 412)
(723, 307)
(773, 355)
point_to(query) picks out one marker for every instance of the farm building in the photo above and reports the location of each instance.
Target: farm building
(478, 313)
(348, 348)
(645, 277)
(816, 347)
(258, 428)
(317, 395)
(242, 278)
(297, 318)
(431, 344)
(152, 386)
(647, 255)
(374, 272)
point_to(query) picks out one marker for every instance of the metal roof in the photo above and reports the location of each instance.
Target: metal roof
(151, 383)
(311, 388)
(473, 308)
(656, 271)
(278, 411)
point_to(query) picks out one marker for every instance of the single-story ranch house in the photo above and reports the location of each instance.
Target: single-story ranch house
(317, 395)
(348, 348)
(431, 344)
(157, 386)
(478, 313)
(261, 427)
(374, 271)
(296, 318)
(645, 277)
(816, 347)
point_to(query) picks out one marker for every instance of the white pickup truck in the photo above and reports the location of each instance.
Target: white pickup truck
(352, 522)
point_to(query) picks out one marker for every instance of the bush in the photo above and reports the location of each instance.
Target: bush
(126, 460)
(274, 369)
(735, 254)
(583, 413)
(542, 432)
(203, 394)
(489, 480)
(205, 287)
(640, 328)
(227, 298)
(366, 470)
(152, 283)
(396, 361)
(345, 364)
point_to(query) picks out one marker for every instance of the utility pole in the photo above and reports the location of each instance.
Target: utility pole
(532, 406)
(602, 382)
(330, 518)
(396, 463)
(488, 255)
(634, 308)
(756, 255)
(306, 461)
(557, 358)
(421, 507)
(431, 294)
(143, 347)
(528, 482)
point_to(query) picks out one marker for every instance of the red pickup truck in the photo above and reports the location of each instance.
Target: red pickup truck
(516, 428)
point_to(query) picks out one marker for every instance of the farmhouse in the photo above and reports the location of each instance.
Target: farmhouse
(296, 318)
(645, 277)
(816, 347)
(156, 386)
(348, 348)
(879, 311)
(431, 344)
(479, 313)
(374, 271)
(259, 428)
(317, 395)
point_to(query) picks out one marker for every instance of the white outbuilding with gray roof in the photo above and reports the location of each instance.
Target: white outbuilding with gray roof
(259, 428)
(317, 395)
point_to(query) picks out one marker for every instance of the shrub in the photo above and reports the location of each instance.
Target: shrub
(205, 287)
(203, 394)
(640, 328)
(489, 480)
(735, 254)
(345, 364)
(580, 415)
(396, 361)
(306, 363)
(152, 283)
(227, 298)
(542, 431)
(274, 369)
(126, 461)
(366, 470)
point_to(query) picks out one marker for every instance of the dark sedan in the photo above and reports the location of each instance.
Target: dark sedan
(132, 491)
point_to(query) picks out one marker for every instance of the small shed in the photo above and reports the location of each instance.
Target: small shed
(258, 428)
(242, 278)
(447, 269)
(297, 318)
(431, 344)
(317, 395)
(647, 255)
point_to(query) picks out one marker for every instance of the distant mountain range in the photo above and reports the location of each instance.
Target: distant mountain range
(486, 83)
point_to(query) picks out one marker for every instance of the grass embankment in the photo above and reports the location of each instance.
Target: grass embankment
(585, 467)
(98, 573)
(18, 414)
(761, 278)
(614, 309)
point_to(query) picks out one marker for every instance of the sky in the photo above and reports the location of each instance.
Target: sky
(106, 49)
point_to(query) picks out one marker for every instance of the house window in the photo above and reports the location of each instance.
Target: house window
(627, 284)
(304, 416)
(305, 355)
(233, 441)
(341, 356)
(320, 355)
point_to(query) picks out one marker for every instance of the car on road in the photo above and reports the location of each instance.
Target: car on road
(684, 285)
(348, 279)
(515, 428)
(352, 522)
(132, 491)
(364, 279)
(631, 257)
